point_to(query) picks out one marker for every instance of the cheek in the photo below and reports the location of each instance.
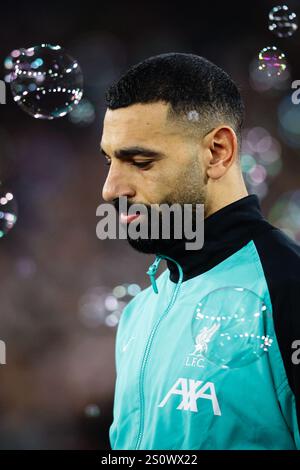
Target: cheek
(155, 187)
(161, 182)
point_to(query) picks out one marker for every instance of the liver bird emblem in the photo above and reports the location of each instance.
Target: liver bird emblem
(203, 338)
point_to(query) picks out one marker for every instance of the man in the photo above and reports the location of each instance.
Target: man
(204, 355)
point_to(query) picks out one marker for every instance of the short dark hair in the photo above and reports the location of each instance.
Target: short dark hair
(192, 85)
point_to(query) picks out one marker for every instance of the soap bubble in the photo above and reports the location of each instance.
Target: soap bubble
(271, 61)
(8, 211)
(282, 21)
(264, 83)
(230, 327)
(46, 82)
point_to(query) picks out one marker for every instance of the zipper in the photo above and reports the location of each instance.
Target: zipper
(151, 272)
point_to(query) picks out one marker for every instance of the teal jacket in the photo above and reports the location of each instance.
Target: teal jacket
(204, 356)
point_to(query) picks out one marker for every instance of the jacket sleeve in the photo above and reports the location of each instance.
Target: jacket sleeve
(280, 258)
(289, 343)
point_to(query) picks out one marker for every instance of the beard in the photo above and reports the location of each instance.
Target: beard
(169, 231)
(189, 190)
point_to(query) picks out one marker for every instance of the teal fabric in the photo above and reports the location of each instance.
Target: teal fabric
(198, 365)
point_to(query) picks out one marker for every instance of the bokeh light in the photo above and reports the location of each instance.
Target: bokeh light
(285, 214)
(83, 114)
(260, 159)
(289, 119)
(103, 306)
(46, 82)
(8, 211)
(282, 22)
(92, 411)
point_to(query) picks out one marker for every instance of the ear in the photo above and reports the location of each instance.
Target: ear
(222, 148)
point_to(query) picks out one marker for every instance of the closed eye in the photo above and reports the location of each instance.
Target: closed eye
(142, 164)
(137, 164)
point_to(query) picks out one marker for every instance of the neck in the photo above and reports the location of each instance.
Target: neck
(217, 197)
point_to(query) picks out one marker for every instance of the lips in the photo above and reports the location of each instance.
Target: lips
(126, 219)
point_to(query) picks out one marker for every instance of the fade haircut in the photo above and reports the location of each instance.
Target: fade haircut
(200, 94)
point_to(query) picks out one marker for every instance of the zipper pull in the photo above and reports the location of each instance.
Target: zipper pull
(152, 271)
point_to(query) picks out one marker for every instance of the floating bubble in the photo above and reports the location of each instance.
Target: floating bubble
(285, 214)
(271, 61)
(262, 83)
(282, 21)
(8, 211)
(46, 82)
(230, 327)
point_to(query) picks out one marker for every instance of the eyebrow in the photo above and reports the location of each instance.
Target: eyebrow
(128, 152)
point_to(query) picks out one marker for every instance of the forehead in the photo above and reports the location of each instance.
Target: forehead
(138, 123)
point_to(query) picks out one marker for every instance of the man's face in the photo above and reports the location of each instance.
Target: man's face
(152, 161)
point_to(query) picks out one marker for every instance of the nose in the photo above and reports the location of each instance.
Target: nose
(118, 183)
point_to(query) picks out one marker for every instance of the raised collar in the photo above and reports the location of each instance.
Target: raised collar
(225, 232)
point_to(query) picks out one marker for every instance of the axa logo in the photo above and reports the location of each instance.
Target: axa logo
(195, 358)
(191, 391)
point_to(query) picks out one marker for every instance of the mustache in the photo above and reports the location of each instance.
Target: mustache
(116, 204)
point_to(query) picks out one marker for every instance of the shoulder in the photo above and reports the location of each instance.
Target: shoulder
(280, 258)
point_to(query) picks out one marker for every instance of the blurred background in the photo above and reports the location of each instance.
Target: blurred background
(62, 289)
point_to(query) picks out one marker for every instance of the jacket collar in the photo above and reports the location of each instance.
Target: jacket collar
(225, 232)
